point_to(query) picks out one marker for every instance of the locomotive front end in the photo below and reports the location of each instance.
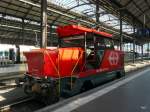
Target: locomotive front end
(50, 70)
(42, 74)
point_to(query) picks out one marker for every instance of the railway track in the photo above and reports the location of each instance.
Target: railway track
(12, 107)
(9, 81)
(7, 86)
(8, 77)
(24, 105)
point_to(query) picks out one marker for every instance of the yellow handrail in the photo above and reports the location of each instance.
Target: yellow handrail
(75, 67)
(57, 70)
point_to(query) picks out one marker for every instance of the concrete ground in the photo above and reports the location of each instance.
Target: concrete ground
(132, 96)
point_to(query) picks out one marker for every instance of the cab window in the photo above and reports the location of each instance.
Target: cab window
(109, 43)
(72, 41)
(100, 43)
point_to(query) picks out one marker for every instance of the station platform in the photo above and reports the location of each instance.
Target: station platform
(137, 65)
(13, 68)
(12, 71)
(128, 94)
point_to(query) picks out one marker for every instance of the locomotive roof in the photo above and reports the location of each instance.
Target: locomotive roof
(70, 30)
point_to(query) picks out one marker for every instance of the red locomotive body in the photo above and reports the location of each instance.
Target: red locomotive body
(85, 57)
(54, 63)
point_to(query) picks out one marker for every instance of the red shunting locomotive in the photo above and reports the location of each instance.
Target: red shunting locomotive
(85, 58)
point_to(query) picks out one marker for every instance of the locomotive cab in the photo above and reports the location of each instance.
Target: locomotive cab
(84, 58)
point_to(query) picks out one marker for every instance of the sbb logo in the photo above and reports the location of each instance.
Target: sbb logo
(113, 58)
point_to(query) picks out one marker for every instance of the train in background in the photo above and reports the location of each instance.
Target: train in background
(8, 54)
(7, 57)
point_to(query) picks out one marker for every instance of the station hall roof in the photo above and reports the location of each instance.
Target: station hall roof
(134, 12)
(20, 19)
(138, 9)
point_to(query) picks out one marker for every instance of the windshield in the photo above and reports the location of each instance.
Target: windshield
(73, 41)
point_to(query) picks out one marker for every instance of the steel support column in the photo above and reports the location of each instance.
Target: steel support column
(17, 54)
(142, 52)
(139, 49)
(97, 14)
(130, 51)
(121, 36)
(127, 48)
(130, 48)
(44, 23)
(133, 51)
(148, 49)
(51, 35)
(23, 39)
(134, 43)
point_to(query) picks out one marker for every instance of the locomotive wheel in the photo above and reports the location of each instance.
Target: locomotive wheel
(120, 74)
(86, 86)
(50, 95)
(27, 89)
